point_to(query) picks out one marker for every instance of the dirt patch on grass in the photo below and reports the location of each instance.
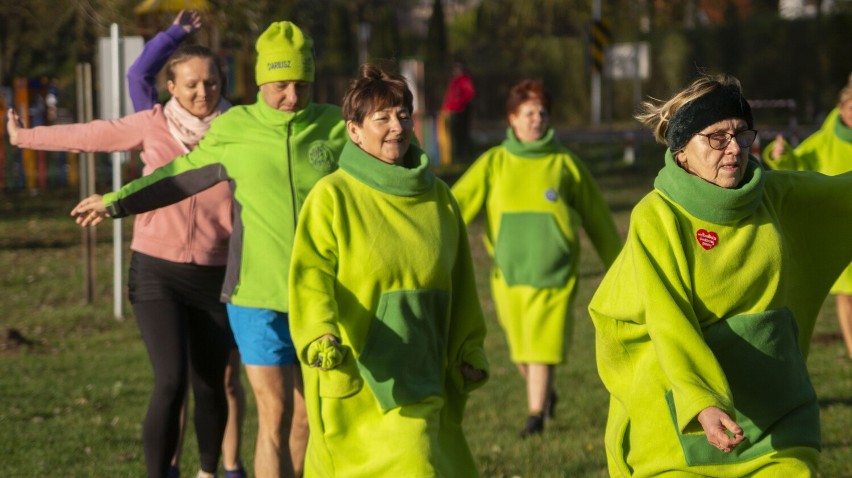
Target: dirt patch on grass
(824, 339)
(13, 341)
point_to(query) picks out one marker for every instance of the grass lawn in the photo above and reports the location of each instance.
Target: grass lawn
(74, 385)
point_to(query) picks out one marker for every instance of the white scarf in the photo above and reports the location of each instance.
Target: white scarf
(187, 128)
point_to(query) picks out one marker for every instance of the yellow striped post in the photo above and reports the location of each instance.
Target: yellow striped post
(600, 39)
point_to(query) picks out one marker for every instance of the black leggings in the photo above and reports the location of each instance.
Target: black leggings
(186, 331)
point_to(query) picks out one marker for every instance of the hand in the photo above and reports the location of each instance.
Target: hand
(470, 373)
(190, 21)
(13, 124)
(325, 353)
(90, 211)
(715, 423)
(778, 147)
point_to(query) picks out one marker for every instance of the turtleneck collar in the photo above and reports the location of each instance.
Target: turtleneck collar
(276, 117)
(389, 178)
(547, 144)
(844, 132)
(709, 202)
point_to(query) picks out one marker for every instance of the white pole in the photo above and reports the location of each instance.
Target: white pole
(596, 97)
(117, 263)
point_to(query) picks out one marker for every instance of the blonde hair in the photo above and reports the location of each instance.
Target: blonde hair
(657, 114)
(845, 94)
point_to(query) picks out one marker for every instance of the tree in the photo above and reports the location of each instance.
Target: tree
(46, 38)
(340, 54)
(435, 56)
(384, 41)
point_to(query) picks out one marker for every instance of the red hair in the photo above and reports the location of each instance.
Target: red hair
(524, 91)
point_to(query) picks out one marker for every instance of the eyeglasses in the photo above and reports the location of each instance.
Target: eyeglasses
(721, 139)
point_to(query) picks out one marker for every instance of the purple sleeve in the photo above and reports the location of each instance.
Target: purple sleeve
(142, 74)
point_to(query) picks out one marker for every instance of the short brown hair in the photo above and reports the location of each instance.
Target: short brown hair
(524, 91)
(375, 89)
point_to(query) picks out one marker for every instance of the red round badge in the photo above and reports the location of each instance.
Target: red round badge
(707, 239)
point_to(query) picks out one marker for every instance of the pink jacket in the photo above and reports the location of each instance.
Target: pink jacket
(195, 230)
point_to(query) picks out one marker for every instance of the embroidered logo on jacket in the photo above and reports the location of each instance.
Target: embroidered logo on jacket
(321, 157)
(707, 239)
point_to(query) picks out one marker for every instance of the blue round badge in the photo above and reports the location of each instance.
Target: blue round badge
(551, 195)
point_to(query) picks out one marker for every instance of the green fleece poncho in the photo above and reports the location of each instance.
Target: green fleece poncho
(271, 159)
(828, 151)
(712, 302)
(381, 261)
(536, 196)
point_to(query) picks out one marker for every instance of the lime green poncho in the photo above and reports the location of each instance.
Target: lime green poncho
(712, 302)
(828, 151)
(382, 262)
(536, 196)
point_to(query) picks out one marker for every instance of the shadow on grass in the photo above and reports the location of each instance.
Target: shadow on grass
(22, 204)
(45, 243)
(831, 402)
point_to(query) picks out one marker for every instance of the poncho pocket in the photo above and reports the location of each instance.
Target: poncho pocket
(341, 381)
(404, 358)
(532, 250)
(773, 396)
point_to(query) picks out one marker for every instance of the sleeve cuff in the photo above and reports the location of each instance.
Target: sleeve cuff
(475, 358)
(113, 207)
(176, 33)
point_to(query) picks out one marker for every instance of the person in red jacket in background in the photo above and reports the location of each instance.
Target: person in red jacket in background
(455, 115)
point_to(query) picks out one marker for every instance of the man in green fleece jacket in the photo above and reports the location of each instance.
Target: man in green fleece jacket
(271, 152)
(704, 320)
(385, 314)
(828, 151)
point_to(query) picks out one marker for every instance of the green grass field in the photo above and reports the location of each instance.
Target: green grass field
(74, 388)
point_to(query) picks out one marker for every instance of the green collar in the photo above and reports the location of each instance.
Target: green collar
(547, 144)
(842, 131)
(276, 117)
(389, 178)
(709, 202)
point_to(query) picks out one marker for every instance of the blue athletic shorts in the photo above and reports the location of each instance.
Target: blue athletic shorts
(262, 335)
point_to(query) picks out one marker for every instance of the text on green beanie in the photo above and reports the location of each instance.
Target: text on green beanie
(284, 53)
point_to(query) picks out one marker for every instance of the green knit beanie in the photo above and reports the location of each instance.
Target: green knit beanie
(284, 53)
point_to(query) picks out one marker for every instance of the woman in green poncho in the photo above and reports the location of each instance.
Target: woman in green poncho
(704, 320)
(536, 195)
(384, 311)
(828, 151)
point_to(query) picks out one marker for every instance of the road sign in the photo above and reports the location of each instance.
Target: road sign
(600, 38)
(628, 61)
